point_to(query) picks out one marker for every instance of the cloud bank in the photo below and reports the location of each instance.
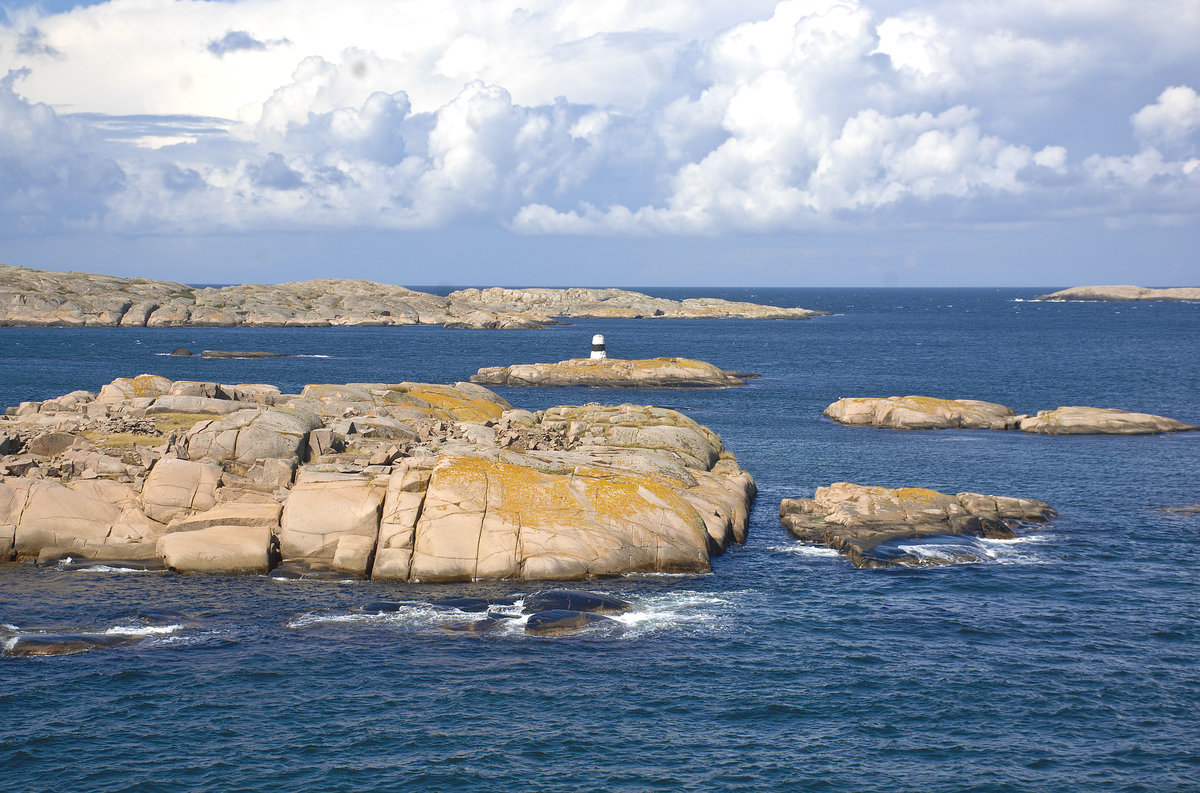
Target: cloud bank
(688, 118)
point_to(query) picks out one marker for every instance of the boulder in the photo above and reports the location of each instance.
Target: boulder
(238, 513)
(48, 513)
(252, 434)
(854, 519)
(197, 404)
(218, 549)
(922, 413)
(1075, 420)
(177, 487)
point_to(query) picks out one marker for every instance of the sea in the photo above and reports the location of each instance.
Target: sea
(1067, 659)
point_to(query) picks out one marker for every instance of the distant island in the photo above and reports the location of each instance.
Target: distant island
(41, 298)
(1123, 293)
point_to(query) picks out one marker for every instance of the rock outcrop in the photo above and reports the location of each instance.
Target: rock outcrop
(400, 481)
(922, 413)
(931, 413)
(855, 519)
(44, 298)
(613, 373)
(1078, 420)
(1123, 293)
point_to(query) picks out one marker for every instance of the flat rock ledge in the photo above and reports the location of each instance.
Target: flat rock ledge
(932, 413)
(855, 519)
(1123, 293)
(613, 373)
(42, 298)
(411, 482)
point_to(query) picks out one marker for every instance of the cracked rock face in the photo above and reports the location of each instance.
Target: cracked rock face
(401, 481)
(854, 519)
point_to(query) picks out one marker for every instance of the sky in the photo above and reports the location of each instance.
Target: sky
(604, 142)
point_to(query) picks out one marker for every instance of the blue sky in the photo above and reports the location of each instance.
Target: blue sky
(688, 142)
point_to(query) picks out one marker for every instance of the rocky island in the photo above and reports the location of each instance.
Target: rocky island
(931, 413)
(405, 481)
(613, 373)
(41, 298)
(856, 519)
(1123, 293)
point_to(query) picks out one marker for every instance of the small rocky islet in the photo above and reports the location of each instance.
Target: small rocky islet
(613, 373)
(1122, 293)
(856, 519)
(931, 413)
(42, 298)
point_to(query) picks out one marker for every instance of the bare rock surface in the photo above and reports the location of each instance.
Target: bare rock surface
(1123, 293)
(855, 519)
(613, 373)
(931, 413)
(46, 298)
(1079, 420)
(399, 481)
(922, 413)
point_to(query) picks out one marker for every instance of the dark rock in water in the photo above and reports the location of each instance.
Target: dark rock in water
(182, 351)
(1186, 509)
(473, 626)
(381, 606)
(471, 604)
(311, 570)
(242, 354)
(161, 616)
(25, 645)
(563, 622)
(574, 600)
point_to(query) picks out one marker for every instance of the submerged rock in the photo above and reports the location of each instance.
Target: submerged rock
(31, 644)
(243, 354)
(574, 600)
(854, 519)
(613, 373)
(565, 622)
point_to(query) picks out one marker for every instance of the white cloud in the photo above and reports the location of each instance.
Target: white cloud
(583, 117)
(1171, 120)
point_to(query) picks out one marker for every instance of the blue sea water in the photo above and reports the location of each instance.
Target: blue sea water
(1067, 660)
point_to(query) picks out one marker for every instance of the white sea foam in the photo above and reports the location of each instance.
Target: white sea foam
(143, 630)
(314, 356)
(103, 568)
(977, 550)
(804, 549)
(9, 644)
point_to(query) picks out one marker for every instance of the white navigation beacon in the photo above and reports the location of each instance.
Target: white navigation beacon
(598, 346)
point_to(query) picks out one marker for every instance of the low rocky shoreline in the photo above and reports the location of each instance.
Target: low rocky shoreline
(613, 373)
(42, 298)
(1123, 293)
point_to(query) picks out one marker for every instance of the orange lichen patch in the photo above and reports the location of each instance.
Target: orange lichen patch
(150, 385)
(930, 404)
(908, 497)
(444, 402)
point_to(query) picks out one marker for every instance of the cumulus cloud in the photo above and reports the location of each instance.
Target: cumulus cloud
(1170, 121)
(576, 117)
